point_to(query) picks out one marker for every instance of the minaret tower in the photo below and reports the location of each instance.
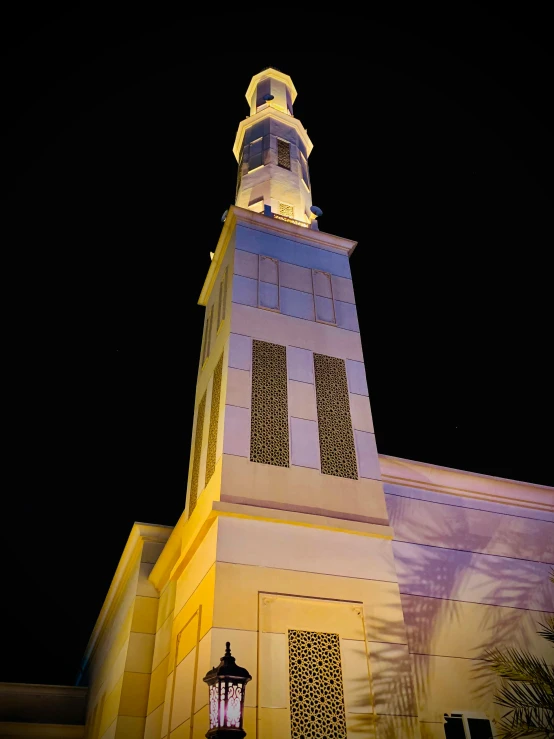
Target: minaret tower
(284, 548)
(272, 149)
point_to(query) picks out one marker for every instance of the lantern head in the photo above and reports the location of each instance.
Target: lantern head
(226, 684)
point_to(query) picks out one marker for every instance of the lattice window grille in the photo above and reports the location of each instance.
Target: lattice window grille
(336, 438)
(214, 421)
(194, 478)
(269, 431)
(316, 687)
(286, 210)
(283, 154)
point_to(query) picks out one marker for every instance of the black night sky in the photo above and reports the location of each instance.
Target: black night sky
(432, 148)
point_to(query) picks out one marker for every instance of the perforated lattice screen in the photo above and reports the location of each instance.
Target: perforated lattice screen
(286, 210)
(336, 438)
(283, 154)
(214, 420)
(197, 451)
(269, 435)
(316, 690)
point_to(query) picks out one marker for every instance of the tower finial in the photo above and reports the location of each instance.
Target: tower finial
(227, 648)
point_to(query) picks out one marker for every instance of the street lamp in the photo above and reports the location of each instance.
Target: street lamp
(226, 684)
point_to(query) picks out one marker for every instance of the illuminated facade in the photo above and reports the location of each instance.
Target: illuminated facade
(358, 590)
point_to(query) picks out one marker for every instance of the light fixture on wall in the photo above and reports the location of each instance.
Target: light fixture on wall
(227, 686)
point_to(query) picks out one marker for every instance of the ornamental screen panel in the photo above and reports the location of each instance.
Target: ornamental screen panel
(285, 209)
(315, 683)
(283, 154)
(336, 438)
(269, 434)
(214, 421)
(197, 451)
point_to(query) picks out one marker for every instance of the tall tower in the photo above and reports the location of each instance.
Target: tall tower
(284, 548)
(272, 149)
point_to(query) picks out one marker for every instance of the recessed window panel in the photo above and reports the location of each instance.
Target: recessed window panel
(268, 296)
(256, 155)
(324, 310)
(269, 270)
(322, 283)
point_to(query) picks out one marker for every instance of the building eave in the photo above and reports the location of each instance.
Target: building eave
(426, 476)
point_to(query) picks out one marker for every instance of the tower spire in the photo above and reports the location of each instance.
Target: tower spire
(272, 149)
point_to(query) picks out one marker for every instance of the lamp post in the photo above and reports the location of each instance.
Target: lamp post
(227, 686)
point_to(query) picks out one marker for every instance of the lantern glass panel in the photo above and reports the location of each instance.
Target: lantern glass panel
(234, 700)
(213, 706)
(222, 703)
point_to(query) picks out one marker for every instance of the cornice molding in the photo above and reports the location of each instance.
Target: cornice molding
(425, 476)
(259, 222)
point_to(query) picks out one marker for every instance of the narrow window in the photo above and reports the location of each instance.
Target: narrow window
(304, 168)
(225, 281)
(220, 306)
(283, 154)
(454, 727)
(209, 333)
(323, 294)
(268, 283)
(269, 430)
(256, 155)
(479, 728)
(462, 726)
(239, 172)
(195, 476)
(214, 421)
(315, 685)
(204, 341)
(286, 210)
(336, 438)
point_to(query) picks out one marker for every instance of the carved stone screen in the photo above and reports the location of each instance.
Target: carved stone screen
(336, 438)
(214, 420)
(315, 682)
(269, 435)
(286, 210)
(283, 154)
(197, 451)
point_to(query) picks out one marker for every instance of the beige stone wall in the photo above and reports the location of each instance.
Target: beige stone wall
(473, 574)
(119, 657)
(242, 585)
